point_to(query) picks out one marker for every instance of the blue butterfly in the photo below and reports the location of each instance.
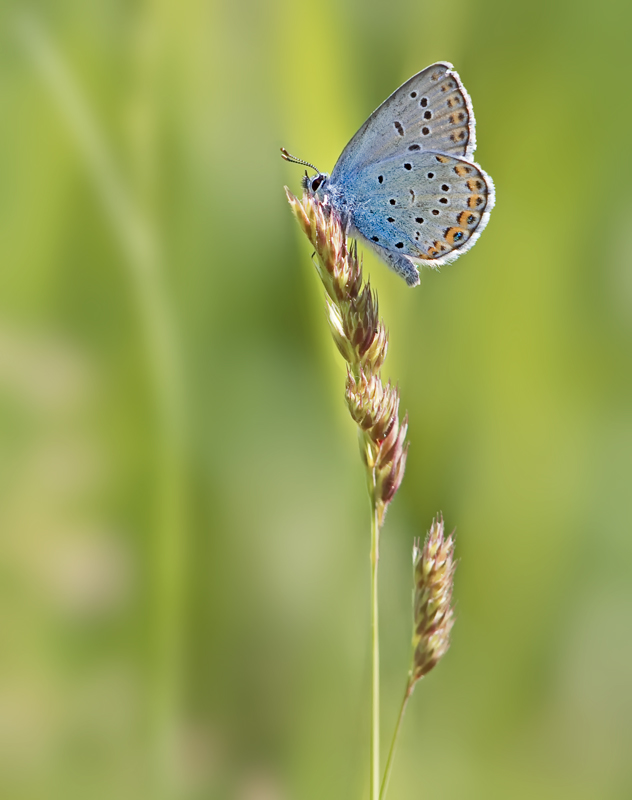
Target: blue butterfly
(406, 183)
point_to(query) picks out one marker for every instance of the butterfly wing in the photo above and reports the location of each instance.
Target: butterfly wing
(427, 207)
(431, 111)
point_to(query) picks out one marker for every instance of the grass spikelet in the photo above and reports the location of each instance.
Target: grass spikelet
(361, 338)
(434, 568)
(433, 616)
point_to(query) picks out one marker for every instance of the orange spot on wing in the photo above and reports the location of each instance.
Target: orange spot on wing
(474, 184)
(452, 232)
(467, 218)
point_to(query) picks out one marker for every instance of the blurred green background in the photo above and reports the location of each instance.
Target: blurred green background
(184, 571)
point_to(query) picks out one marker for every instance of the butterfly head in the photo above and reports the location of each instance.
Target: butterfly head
(316, 184)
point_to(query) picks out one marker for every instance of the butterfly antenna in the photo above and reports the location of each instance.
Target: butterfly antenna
(295, 160)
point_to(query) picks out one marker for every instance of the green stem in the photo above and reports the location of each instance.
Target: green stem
(391, 752)
(375, 653)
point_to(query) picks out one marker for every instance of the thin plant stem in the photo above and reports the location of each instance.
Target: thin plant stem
(375, 651)
(391, 752)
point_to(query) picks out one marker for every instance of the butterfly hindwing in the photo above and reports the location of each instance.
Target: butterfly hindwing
(429, 207)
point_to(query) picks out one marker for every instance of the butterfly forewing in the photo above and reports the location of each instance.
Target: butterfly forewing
(425, 205)
(431, 111)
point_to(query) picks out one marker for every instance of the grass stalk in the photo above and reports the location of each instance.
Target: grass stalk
(362, 340)
(433, 617)
(391, 752)
(375, 655)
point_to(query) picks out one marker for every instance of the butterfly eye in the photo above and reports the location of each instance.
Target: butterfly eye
(317, 183)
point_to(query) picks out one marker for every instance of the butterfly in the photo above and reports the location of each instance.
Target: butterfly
(406, 183)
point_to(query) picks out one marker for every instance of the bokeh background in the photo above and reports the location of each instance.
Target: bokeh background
(184, 572)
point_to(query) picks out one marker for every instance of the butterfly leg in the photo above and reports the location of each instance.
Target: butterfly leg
(402, 266)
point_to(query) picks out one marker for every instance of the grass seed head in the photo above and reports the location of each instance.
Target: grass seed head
(433, 615)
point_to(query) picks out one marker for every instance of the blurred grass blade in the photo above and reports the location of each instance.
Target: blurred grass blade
(138, 240)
